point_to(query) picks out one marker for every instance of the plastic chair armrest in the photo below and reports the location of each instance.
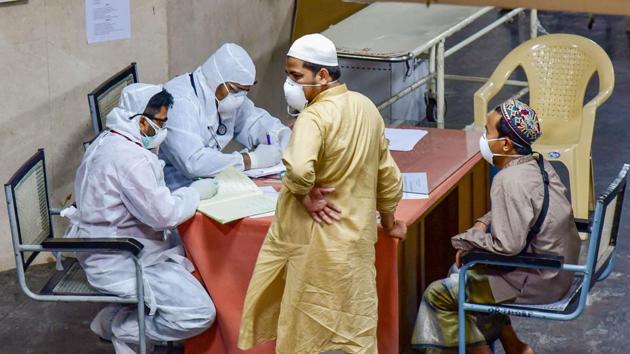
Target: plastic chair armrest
(130, 245)
(528, 260)
(598, 100)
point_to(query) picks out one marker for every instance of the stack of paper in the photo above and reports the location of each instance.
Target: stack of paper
(268, 171)
(403, 139)
(415, 185)
(238, 197)
(271, 193)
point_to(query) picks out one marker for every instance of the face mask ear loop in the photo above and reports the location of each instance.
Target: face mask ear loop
(513, 142)
(292, 114)
(153, 125)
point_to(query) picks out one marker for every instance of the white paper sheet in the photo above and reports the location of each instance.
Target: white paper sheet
(238, 197)
(410, 196)
(415, 185)
(403, 139)
(272, 193)
(268, 171)
(107, 20)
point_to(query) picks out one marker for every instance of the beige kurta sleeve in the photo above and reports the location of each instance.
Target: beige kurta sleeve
(389, 185)
(512, 215)
(301, 154)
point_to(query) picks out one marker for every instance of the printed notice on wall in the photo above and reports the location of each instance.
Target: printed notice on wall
(107, 20)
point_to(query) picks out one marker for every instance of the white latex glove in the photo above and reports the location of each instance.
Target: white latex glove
(207, 187)
(265, 156)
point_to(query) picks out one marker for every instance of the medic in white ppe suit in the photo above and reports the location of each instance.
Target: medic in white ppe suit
(120, 192)
(211, 108)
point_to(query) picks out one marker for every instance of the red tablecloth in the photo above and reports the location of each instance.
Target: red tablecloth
(225, 255)
(229, 254)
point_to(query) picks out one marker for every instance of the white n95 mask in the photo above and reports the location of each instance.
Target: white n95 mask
(484, 148)
(152, 142)
(294, 94)
(231, 102)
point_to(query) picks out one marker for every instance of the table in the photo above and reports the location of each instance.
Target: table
(395, 32)
(225, 255)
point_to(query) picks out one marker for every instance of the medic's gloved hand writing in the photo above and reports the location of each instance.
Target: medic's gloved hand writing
(207, 187)
(265, 156)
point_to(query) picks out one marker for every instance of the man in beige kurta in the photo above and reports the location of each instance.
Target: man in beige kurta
(314, 285)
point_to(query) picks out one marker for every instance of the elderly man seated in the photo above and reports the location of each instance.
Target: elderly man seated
(520, 222)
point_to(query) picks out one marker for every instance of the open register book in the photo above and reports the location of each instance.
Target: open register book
(238, 197)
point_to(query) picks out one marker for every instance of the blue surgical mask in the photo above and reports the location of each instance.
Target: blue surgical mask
(152, 142)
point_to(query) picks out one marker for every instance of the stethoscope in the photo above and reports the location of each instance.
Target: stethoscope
(222, 128)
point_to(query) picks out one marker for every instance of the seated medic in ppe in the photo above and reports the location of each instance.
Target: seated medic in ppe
(120, 192)
(518, 197)
(211, 108)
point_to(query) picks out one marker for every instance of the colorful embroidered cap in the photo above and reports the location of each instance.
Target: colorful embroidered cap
(522, 119)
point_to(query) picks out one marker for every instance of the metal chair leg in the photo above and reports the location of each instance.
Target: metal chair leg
(142, 344)
(461, 314)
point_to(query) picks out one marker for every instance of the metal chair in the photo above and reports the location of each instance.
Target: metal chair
(598, 265)
(558, 69)
(106, 96)
(30, 219)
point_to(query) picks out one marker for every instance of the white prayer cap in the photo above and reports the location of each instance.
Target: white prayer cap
(316, 49)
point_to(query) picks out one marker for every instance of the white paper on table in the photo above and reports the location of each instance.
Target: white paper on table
(415, 185)
(272, 193)
(267, 171)
(107, 20)
(271, 213)
(410, 196)
(238, 197)
(403, 139)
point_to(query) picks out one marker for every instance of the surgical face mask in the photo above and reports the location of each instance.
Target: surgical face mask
(152, 142)
(294, 94)
(484, 148)
(231, 102)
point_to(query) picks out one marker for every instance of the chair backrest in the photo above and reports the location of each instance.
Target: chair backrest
(605, 225)
(558, 68)
(106, 96)
(28, 205)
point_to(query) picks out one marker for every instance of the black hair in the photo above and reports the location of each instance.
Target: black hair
(333, 71)
(505, 131)
(159, 100)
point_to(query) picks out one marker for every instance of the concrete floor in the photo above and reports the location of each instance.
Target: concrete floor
(34, 327)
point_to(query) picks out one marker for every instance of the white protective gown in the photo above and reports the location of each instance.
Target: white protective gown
(120, 192)
(193, 146)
